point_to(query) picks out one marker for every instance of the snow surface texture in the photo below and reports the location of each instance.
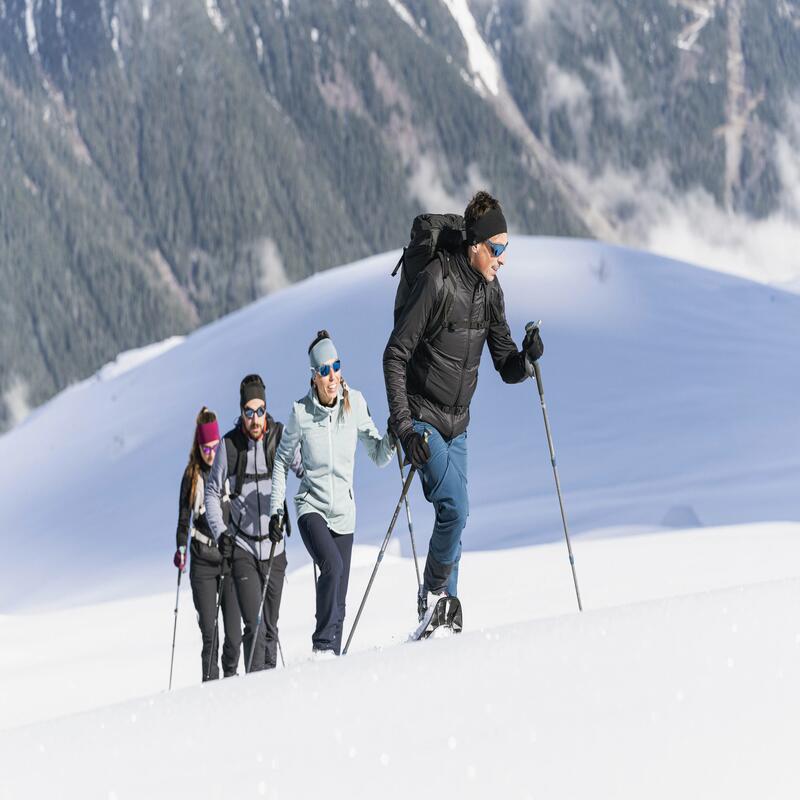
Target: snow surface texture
(692, 696)
(672, 396)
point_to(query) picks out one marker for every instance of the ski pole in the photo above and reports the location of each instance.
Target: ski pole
(406, 487)
(280, 650)
(216, 624)
(175, 625)
(410, 523)
(540, 386)
(261, 609)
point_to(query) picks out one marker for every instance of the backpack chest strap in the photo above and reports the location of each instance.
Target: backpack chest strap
(460, 325)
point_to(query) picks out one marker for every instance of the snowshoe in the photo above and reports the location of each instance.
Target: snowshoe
(445, 612)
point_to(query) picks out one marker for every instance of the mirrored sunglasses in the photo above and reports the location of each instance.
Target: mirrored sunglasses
(209, 451)
(325, 369)
(496, 249)
(255, 412)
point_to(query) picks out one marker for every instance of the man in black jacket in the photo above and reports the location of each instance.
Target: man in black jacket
(430, 383)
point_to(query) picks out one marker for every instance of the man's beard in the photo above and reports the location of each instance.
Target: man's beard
(255, 431)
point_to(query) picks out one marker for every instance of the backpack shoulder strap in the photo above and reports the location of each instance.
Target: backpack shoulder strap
(271, 441)
(236, 452)
(445, 300)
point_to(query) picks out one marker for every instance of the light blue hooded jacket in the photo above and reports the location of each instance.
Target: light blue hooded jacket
(327, 439)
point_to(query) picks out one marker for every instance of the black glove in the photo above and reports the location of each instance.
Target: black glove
(416, 449)
(276, 528)
(532, 345)
(225, 546)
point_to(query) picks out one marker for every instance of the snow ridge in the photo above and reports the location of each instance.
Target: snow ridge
(30, 28)
(215, 15)
(405, 15)
(484, 66)
(115, 40)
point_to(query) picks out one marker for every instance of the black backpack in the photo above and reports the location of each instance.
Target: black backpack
(237, 458)
(431, 234)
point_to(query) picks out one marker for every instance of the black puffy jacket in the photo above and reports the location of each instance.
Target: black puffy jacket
(433, 381)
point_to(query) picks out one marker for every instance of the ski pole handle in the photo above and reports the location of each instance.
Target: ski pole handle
(534, 326)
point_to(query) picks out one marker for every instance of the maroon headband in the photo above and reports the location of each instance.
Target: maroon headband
(207, 432)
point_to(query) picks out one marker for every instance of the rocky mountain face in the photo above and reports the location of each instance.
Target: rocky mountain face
(163, 162)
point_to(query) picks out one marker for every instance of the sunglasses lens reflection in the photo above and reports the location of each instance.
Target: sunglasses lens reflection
(325, 369)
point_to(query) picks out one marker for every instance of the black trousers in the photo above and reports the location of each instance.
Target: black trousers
(249, 575)
(205, 579)
(331, 552)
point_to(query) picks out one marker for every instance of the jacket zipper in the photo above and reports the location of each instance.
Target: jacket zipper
(330, 461)
(466, 352)
(258, 498)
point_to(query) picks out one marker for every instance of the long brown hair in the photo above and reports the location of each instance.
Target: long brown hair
(323, 334)
(195, 459)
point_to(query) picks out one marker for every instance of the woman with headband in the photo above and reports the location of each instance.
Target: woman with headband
(207, 564)
(327, 423)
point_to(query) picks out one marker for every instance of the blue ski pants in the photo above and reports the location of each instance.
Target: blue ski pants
(444, 483)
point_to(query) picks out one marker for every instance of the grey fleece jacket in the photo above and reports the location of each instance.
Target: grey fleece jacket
(327, 439)
(250, 509)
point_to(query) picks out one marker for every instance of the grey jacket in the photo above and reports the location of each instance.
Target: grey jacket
(249, 512)
(327, 439)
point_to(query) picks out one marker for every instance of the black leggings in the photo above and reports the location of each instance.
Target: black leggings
(205, 579)
(250, 574)
(331, 552)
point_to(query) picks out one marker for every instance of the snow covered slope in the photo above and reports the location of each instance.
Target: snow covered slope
(671, 390)
(691, 695)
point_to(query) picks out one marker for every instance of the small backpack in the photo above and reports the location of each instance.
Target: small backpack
(431, 234)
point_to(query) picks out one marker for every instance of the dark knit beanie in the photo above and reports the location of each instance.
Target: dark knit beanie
(251, 388)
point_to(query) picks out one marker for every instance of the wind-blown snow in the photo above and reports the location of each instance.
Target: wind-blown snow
(482, 62)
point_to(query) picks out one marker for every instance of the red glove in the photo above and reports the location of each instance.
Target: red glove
(180, 559)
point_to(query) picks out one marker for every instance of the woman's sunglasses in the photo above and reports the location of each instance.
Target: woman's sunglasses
(325, 369)
(496, 249)
(255, 412)
(209, 451)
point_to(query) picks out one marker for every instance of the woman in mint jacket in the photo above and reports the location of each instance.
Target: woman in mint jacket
(327, 423)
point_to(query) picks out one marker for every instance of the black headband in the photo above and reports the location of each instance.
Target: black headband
(486, 226)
